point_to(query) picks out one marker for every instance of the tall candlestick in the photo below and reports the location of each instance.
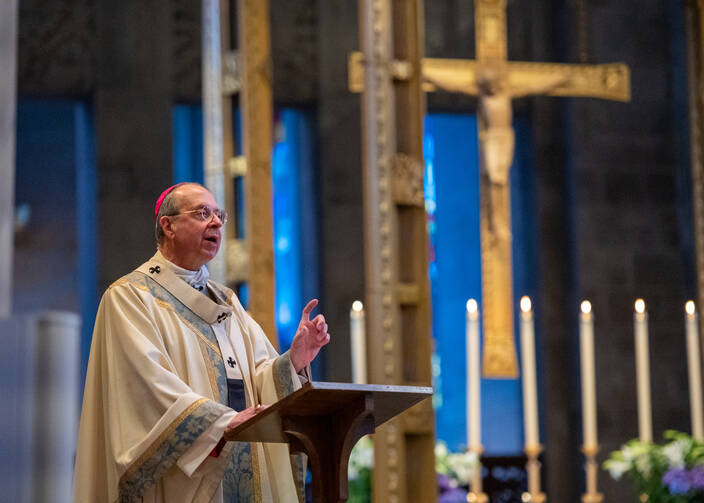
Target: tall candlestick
(590, 445)
(586, 340)
(474, 432)
(530, 391)
(530, 404)
(358, 341)
(640, 329)
(695, 371)
(474, 401)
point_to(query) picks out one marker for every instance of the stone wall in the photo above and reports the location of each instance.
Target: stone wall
(632, 223)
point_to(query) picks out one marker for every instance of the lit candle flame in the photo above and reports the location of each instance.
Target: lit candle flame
(357, 306)
(640, 306)
(586, 307)
(472, 306)
(689, 307)
(525, 304)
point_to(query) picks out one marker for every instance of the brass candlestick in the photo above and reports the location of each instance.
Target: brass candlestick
(476, 495)
(591, 470)
(534, 494)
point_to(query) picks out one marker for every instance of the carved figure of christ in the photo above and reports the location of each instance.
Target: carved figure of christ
(496, 135)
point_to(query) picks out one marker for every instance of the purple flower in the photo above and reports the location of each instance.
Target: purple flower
(677, 480)
(453, 495)
(448, 493)
(696, 478)
(443, 483)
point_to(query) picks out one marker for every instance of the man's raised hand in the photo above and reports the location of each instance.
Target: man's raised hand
(311, 335)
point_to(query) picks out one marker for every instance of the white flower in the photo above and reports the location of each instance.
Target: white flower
(617, 468)
(463, 466)
(440, 450)
(675, 452)
(637, 454)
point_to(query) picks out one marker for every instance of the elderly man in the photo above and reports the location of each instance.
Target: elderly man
(175, 361)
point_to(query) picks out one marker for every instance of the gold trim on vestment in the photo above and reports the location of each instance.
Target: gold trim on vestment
(298, 462)
(160, 439)
(210, 369)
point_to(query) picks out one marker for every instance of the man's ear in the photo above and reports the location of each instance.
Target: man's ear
(167, 226)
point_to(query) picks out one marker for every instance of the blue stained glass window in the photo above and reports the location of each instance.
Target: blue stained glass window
(287, 217)
(188, 143)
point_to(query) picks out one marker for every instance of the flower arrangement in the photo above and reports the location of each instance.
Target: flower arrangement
(455, 472)
(669, 473)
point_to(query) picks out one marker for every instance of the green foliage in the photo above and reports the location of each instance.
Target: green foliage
(360, 471)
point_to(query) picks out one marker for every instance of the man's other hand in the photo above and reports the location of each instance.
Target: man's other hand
(244, 415)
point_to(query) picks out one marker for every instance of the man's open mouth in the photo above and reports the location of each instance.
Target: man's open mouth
(212, 239)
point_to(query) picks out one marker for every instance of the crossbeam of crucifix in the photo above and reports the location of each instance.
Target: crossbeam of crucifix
(496, 82)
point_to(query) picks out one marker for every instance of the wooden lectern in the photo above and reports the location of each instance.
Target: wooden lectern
(324, 421)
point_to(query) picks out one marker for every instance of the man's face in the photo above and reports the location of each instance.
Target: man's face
(195, 241)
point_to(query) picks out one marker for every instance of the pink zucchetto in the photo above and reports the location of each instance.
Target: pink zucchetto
(163, 195)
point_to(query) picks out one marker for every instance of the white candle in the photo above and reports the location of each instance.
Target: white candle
(640, 329)
(586, 341)
(358, 342)
(695, 371)
(474, 432)
(530, 391)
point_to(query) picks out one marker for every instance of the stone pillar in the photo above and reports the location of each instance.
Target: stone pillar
(133, 101)
(40, 372)
(8, 105)
(213, 109)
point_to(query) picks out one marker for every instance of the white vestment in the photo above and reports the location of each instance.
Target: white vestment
(155, 400)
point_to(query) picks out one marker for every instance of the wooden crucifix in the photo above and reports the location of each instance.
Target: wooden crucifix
(496, 82)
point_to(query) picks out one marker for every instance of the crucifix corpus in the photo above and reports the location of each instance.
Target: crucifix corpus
(496, 82)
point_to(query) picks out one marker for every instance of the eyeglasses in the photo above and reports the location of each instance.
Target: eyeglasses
(206, 213)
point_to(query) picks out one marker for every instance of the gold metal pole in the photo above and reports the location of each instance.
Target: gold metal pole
(534, 494)
(256, 102)
(476, 494)
(591, 469)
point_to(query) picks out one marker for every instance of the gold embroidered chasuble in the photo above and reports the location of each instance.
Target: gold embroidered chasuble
(156, 382)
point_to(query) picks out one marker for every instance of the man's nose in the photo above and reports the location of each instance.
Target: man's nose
(214, 221)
